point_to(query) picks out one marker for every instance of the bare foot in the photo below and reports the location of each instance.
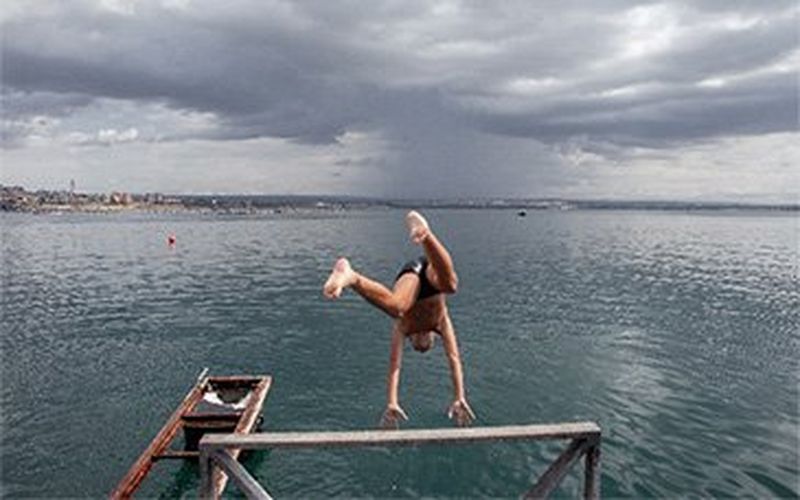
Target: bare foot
(341, 277)
(418, 228)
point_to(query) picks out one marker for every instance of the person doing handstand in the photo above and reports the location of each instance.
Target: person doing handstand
(417, 304)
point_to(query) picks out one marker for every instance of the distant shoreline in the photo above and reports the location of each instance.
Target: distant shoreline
(278, 209)
(18, 199)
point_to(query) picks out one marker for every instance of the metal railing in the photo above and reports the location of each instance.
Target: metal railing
(585, 441)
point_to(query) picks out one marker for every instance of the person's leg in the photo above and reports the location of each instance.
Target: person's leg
(393, 302)
(441, 272)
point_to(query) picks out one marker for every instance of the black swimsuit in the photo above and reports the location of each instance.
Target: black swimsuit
(418, 267)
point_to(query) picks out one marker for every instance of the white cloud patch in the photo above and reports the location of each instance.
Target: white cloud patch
(648, 30)
(743, 169)
(124, 7)
(103, 137)
(176, 4)
(272, 166)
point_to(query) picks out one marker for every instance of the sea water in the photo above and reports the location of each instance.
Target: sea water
(677, 332)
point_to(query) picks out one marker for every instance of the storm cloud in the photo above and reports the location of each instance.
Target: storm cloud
(462, 98)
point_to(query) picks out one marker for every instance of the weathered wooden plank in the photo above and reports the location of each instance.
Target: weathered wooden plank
(176, 454)
(210, 425)
(246, 483)
(591, 479)
(247, 422)
(236, 379)
(144, 463)
(189, 417)
(249, 417)
(558, 469)
(400, 438)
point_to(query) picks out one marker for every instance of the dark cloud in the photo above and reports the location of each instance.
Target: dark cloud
(42, 103)
(662, 118)
(435, 79)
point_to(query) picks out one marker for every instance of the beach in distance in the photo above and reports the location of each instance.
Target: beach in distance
(673, 328)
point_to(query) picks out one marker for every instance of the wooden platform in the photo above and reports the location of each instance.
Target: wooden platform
(219, 404)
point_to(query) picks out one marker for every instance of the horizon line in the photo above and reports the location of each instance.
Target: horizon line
(437, 200)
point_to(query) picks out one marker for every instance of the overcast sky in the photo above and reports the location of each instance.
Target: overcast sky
(532, 98)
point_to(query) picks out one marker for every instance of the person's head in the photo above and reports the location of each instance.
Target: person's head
(422, 341)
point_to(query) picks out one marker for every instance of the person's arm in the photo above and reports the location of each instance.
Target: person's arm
(395, 362)
(459, 409)
(394, 413)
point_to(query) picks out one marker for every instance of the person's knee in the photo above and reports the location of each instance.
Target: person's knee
(450, 285)
(446, 282)
(400, 305)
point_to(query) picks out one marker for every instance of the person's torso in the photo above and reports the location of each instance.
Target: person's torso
(425, 315)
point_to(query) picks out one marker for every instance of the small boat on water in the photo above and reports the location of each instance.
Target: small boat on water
(226, 404)
(522, 213)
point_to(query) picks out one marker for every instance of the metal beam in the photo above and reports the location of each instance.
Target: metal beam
(558, 469)
(240, 476)
(585, 440)
(206, 488)
(591, 477)
(265, 440)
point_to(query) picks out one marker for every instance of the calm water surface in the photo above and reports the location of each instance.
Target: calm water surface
(677, 332)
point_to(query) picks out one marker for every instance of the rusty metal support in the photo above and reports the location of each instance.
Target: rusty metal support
(158, 445)
(585, 438)
(591, 480)
(558, 469)
(194, 424)
(246, 483)
(206, 488)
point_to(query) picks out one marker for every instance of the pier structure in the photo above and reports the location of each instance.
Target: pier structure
(217, 451)
(220, 417)
(230, 404)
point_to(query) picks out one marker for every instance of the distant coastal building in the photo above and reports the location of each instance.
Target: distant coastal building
(13, 196)
(118, 198)
(154, 198)
(19, 199)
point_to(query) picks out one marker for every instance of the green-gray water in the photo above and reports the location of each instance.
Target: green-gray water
(677, 332)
